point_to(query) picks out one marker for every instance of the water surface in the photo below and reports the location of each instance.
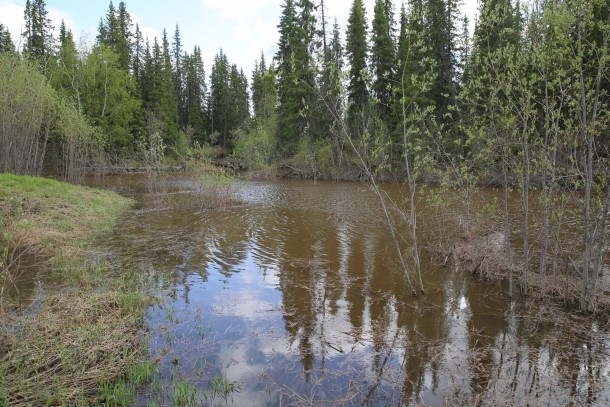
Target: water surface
(294, 297)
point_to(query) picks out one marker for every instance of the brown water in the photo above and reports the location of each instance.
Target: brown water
(294, 297)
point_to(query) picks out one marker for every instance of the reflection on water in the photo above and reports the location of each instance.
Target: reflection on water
(294, 298)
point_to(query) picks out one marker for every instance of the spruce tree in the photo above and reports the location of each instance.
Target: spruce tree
(382, 61)
(195, 93)
(168, 101)
(240, 107)
(305, 73)
(6, 43)
(441, 57)
(65, 77)
(356, 50)
(125, 38)
(178, 76)
(115, 32)
(288, 106)
(138, 58)
(219, 100)
(38, 32)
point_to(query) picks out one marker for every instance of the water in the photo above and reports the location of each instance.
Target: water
(294, 297)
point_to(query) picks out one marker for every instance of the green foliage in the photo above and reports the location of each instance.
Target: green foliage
(27, 109)
(382, 60)
(6, 42)
(107, 95)
(314, 157)
(229, 106)
(256, 149)
(38, 33)
(78, 143)
(356, 51)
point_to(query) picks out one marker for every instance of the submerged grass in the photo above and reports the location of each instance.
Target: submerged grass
(87, 335)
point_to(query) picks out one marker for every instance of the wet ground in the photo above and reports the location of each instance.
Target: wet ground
(294, 296)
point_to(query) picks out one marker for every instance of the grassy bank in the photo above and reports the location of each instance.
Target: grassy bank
(86, 335)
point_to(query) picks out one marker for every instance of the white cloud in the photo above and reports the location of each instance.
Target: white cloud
(11, 16)
(148, 32)
(57, 16)
(238, 10)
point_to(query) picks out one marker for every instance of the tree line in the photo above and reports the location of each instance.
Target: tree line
(522, 104)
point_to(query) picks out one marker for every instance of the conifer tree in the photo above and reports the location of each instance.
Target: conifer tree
(264, 94)
(334, 92)
(382, 61)
(65, 78)
(38, 32)
(305, 72)
(219, 103)
(288, 106)
(6, 43)
(195, 93)
(438, 25)
(240, 107)
(115, 32)
(138, 58)
(356, 50)
(178, 76)
(168, 104)
(125, 38)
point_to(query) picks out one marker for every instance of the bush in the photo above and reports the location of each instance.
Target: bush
(313, 157)
(256, 149)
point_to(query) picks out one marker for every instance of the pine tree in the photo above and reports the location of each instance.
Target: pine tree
(356, 49)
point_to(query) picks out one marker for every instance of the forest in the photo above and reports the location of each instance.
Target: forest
(404, 95)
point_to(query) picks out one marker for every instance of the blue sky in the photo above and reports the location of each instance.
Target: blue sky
(243, 28)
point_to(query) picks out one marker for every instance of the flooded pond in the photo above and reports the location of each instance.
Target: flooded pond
(294, 296)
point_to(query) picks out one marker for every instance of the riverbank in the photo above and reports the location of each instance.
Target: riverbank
(87, 334)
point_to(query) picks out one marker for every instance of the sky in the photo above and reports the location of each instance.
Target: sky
(242, 28)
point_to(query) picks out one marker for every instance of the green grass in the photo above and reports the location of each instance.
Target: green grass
(85, 343)
(53, 215)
